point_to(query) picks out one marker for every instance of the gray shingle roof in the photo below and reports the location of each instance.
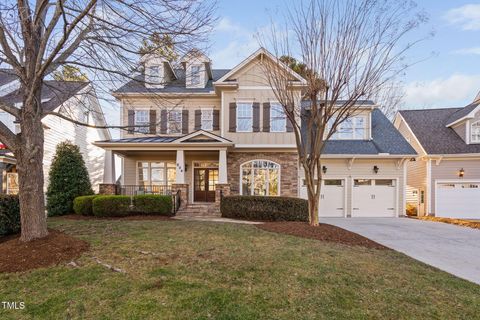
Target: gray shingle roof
(385, 139)
(462, 112)
(6, 76)
(430, 128)
(137, 84)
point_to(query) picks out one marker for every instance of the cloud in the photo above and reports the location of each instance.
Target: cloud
(467, 16)
(454, 91)
(226, 25)
(468, 51)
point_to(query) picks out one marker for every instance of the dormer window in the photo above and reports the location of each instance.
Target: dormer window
(154, 76)
(475, 132)
(353, 128)
(195, 75)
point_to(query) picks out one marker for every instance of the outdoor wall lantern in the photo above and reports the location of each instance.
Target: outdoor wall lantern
(324, 169)
(375, 169)
(461, 173)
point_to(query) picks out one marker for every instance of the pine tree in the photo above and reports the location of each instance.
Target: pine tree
(68, 179)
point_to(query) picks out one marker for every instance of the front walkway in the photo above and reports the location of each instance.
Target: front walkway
(451, 248)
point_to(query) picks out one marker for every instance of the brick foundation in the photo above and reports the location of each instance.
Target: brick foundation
(288, 162)
(183, 193)
(221, 188)
(107, 188)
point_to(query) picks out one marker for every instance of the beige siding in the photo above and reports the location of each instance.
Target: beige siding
(363, 168)
(461, 130)
(448, 170)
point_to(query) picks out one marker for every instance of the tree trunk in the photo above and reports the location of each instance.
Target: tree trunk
(29, 157)
(313, 203)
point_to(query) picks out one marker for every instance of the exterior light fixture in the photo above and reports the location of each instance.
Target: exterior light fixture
(375, 169)
(461, 173)
(324, 169)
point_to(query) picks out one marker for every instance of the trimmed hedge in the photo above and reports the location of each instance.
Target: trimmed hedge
(121, 206)
(9, 214)
(83, 205)
(264, 208)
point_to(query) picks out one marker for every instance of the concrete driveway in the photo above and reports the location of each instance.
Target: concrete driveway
(451, 248)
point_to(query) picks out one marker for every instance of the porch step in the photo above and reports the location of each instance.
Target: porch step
(199, 210)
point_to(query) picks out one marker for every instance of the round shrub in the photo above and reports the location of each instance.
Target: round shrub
(83, 205)
(153, 204)
(264, 208)
(9, 214)
(111, 206)
(68, 179)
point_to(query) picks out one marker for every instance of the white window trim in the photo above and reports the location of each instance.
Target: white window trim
(284, 117)
(472, 140)
(195, 76)
(333, 137)
(237, 117)
(268, 186)
(210, 109)
(137, 130)
(165, 169)
(181, 121)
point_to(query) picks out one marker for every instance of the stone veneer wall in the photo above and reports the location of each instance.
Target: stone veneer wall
(288, 169)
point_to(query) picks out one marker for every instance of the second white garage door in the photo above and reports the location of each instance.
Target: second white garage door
(458, 200)
(374, 198)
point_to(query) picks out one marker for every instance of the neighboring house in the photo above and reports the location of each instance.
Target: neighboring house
(445, 178)
(78, 101)
(202, 130)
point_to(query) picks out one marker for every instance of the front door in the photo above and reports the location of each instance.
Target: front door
(204, 181)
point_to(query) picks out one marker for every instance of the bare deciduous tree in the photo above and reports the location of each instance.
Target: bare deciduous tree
(350, 51)
(102, 38)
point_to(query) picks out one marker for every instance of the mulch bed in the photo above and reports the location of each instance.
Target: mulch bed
(139, 217)
(54, 249)
(324, 232)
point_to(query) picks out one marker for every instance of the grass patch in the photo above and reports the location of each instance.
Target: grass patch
(200, 270)
(459, 222)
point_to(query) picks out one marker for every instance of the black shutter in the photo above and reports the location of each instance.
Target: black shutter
(289, 125)
(266, 117)
(184, 121)
(153, 121)
(233, 117)
(163, 121)
(216, 119)
(131, 121)
(198, 120)
(256, 117)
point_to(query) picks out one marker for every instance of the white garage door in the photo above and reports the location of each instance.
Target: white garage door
(332, 198)
(374, 198)
(458, 200)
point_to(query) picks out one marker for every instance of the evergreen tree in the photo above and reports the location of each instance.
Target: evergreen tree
(68, 179)
(69, 73)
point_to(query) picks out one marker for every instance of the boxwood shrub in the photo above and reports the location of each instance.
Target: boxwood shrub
(83, 205)
(9, 214)
(264, 208)
(120, 206)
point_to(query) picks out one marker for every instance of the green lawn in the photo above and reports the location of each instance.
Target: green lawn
(196, 270)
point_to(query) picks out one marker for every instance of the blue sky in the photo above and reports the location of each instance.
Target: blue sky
(450, 76)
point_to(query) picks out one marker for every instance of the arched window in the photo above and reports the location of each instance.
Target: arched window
(475, 132)
(260, 178)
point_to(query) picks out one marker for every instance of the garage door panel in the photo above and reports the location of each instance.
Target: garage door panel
(332, 198)
(458, 200)
(374, 198)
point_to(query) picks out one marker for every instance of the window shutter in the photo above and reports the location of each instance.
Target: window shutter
(163, 121)
(198, 119)
(233, 117)
(216, 119)
(266, 117)
(153, 121)
(131, 121)
(289, 125)
(184, 121)
(256, 117)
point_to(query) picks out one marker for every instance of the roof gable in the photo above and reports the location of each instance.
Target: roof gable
(202, 136)
(467, 112)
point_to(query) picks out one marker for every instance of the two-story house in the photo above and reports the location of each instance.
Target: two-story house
(445, 178)
(201, 130)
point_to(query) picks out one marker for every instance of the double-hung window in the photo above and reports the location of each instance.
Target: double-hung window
(260, 178)
(353, 128)
(195, 75)
(475, 132)
(207, 119)
(278, 119)
(175, 121)
(142, 121)
(151, 174)
(153, 74)
(244, 117)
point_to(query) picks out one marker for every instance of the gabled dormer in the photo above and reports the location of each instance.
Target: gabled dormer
(158, 71)
(198, 69)
(466, 122)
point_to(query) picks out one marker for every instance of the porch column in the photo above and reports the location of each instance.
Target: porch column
(222, 167)
(180, 172)
(109, 168)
